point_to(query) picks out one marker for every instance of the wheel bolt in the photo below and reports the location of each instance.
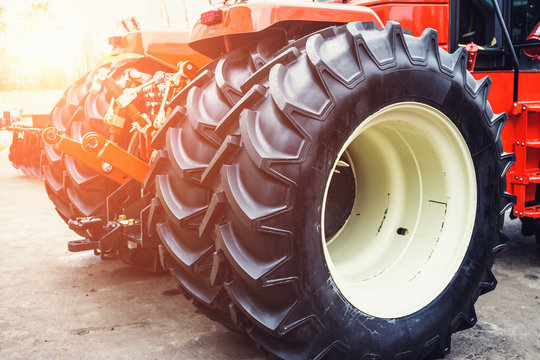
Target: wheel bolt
(106, 167)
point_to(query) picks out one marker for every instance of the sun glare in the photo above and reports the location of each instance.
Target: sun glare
(50, 43)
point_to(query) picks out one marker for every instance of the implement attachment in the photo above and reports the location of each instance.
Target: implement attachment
(100, 154)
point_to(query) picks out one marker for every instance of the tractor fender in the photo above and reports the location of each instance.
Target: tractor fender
(239, 20)
(165, 47)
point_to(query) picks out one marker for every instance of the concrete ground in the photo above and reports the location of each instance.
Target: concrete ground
(59, 305)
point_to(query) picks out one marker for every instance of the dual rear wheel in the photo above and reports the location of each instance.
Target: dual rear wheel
(354, 195)
(75, 189)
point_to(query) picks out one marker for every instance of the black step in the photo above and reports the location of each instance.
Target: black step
(82, 245)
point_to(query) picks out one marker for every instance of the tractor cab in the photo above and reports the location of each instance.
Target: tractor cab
(508, 38)
(477, 21)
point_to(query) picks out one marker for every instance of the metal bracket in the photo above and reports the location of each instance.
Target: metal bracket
(115, 156)
(71, 147)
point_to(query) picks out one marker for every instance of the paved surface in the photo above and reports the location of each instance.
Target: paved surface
(59, 305)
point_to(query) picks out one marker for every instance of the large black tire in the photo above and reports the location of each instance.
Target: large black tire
(86, 189)
(287, 286)
(188, 142)
(51, 162)
(75, 189)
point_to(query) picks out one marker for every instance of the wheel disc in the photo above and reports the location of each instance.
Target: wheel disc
(395, 236)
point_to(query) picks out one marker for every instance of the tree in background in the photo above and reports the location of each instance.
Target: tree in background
(186, 14)
(39, 68)
(26, 59)
(164, 11)
(3, 52)
(48, 44)
(2, 21)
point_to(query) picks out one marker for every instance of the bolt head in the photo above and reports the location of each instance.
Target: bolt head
(51, 136)
(106, 167)
(92, 142)
(134, 74)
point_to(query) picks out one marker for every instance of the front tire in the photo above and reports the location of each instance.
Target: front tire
(385, 259)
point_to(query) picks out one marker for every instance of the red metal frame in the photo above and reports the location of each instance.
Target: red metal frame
(252, 17)
(521, 135)
(414, 15)
(115, 156)
(166, 47)
(67, 145)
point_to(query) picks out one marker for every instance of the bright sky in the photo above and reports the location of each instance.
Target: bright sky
(77, 26)
(97, 18)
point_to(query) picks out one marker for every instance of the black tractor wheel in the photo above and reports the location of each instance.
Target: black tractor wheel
(75, 189)
(52, 165)
(188, 141)
(86, 189)
(364, 204)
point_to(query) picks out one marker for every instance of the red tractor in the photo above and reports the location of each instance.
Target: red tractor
(332, 183)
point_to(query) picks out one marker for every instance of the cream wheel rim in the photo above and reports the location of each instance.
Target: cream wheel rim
(408, 220)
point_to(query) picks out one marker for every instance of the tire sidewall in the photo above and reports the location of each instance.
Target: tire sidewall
(439, 318)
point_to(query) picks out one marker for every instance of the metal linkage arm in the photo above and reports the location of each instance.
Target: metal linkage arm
(114, 155)
(99, 154)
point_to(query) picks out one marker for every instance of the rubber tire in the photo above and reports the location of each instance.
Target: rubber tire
(188, 142)
(311, 100)
(51, 160)
(75, 189)
(87, 190)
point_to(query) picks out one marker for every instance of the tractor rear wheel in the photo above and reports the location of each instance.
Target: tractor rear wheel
(365, 200)
(75, 189)
(51, 160)
(189, 140)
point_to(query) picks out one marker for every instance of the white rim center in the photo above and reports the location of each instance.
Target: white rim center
(413, 213)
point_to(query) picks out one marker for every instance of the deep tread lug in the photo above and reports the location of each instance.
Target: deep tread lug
(214, 214)
(226, 151)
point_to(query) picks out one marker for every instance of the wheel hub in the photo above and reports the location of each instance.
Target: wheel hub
(397, 249)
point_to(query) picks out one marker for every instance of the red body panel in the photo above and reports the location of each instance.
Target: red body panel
(518, 129)
(256, 16)
(166, 47)
(414, 15)
(252, 17)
